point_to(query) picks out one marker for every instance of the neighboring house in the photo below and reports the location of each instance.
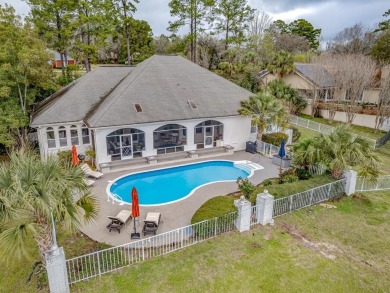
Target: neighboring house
(309, 78)
(56, 60)
(164, 104)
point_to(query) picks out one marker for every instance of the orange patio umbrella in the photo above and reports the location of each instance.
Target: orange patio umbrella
(135, 211)
(75, 158)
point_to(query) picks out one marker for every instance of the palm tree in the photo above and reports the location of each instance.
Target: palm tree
(264, 109)
(339, 150)
(290, 97)
(30, 191)
(282, 63)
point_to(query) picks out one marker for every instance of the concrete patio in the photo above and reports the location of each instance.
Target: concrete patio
(174, 215)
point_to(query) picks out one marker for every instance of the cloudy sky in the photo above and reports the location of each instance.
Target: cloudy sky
(330, 16)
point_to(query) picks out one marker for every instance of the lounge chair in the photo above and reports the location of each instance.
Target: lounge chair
(119, 221)
(88, 182)
(89, 172)
(151, 223)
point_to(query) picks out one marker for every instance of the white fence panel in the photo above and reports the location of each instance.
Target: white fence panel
(97, 263)
(382, 183)
(303, 199)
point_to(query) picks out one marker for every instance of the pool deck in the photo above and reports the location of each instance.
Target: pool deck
(173, 215)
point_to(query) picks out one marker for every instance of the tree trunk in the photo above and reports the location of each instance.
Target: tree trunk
(59, 37)
(44, 240)
(62, 64)
(227, 35)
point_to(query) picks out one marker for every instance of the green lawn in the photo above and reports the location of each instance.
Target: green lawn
(384, 154)
(312, 250)
(360, 130)
(305, 133)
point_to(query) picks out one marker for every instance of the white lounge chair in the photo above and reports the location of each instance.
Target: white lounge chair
(89, 172)
(88, 182)
(151, 223)
(119, 220)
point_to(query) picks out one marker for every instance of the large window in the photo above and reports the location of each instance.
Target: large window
(51, 141)
(170, 138)
(208, 134)
(125, 143)
(74, 135)
(62, 136)
(85, 134)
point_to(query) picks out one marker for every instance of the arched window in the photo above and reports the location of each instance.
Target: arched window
(125, 143)
(85, 134)
(208, 134)
(170, 138)
(74, 135)
(51, 140)
(62, 136)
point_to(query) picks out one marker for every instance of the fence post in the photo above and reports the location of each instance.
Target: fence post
(56, 271)
(265, 207)
(350, 184)
(243, 221)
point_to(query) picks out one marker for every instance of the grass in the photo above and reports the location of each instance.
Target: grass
(360, 130)
(311, 250)
(384, 154)
(305, 133)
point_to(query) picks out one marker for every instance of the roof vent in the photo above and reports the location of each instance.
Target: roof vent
(192, 104)
(138, 108)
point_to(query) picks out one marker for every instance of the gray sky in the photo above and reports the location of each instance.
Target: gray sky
(330, 16)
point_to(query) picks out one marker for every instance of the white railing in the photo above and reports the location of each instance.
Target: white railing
(320, 127)
(307, 198)
(382, 183)
(267, 148)
(253, 220)
(101, 262)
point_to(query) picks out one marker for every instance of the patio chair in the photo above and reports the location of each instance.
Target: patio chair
(88, 182)
(89, 172)
(119, 221)
(151, 223)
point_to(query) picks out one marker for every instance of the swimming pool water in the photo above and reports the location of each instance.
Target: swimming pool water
(171, 184)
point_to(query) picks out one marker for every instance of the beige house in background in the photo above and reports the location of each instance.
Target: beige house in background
(307, 79)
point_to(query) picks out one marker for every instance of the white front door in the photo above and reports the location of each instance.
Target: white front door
(208, 136)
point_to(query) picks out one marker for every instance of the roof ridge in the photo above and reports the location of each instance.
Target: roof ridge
(110, 102)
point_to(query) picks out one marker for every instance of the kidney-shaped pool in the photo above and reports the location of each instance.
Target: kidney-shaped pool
(162, 186)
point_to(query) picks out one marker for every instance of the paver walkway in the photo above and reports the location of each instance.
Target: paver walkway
(174, 215)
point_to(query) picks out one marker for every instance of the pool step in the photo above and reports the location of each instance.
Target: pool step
(248, 166)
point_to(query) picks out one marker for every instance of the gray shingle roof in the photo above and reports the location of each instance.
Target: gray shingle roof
(162, 85)
(78, 99)
(317, 74)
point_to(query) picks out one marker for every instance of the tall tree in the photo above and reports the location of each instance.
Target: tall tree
(30, 191)
(125, 10)
(381, 49)
(232, 18)
(385, 24)
(259, 24)
(264, 109)
(194, 13)
(303, 28)
(53, 20)
(383, 112)
(282, 63)
(24, 70)
(353, 40)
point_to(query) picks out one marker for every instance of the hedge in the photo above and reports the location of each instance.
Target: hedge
(274, 138)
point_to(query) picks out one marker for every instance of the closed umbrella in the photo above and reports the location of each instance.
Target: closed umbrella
(282, 151)
(75, 159)
(135, 211)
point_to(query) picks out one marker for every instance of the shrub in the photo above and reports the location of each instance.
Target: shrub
(65, 156)
(267, 182)
(289, 179)
(303, 174)
(296, 134)
(246, 187)
(274, 138)
(214, 207)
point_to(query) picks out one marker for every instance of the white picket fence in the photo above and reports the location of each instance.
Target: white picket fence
(104, 261)
(382, 183)
(267, 149)
(320, 127)
(307, 198)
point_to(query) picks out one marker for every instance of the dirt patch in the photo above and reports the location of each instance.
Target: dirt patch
(327, 250)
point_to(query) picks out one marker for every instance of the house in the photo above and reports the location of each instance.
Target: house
(56, 60)
(165, 104)
(311, 78)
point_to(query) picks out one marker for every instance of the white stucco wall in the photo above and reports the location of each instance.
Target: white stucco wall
(236, 133)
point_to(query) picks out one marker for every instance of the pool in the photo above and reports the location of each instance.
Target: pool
(168, 185)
